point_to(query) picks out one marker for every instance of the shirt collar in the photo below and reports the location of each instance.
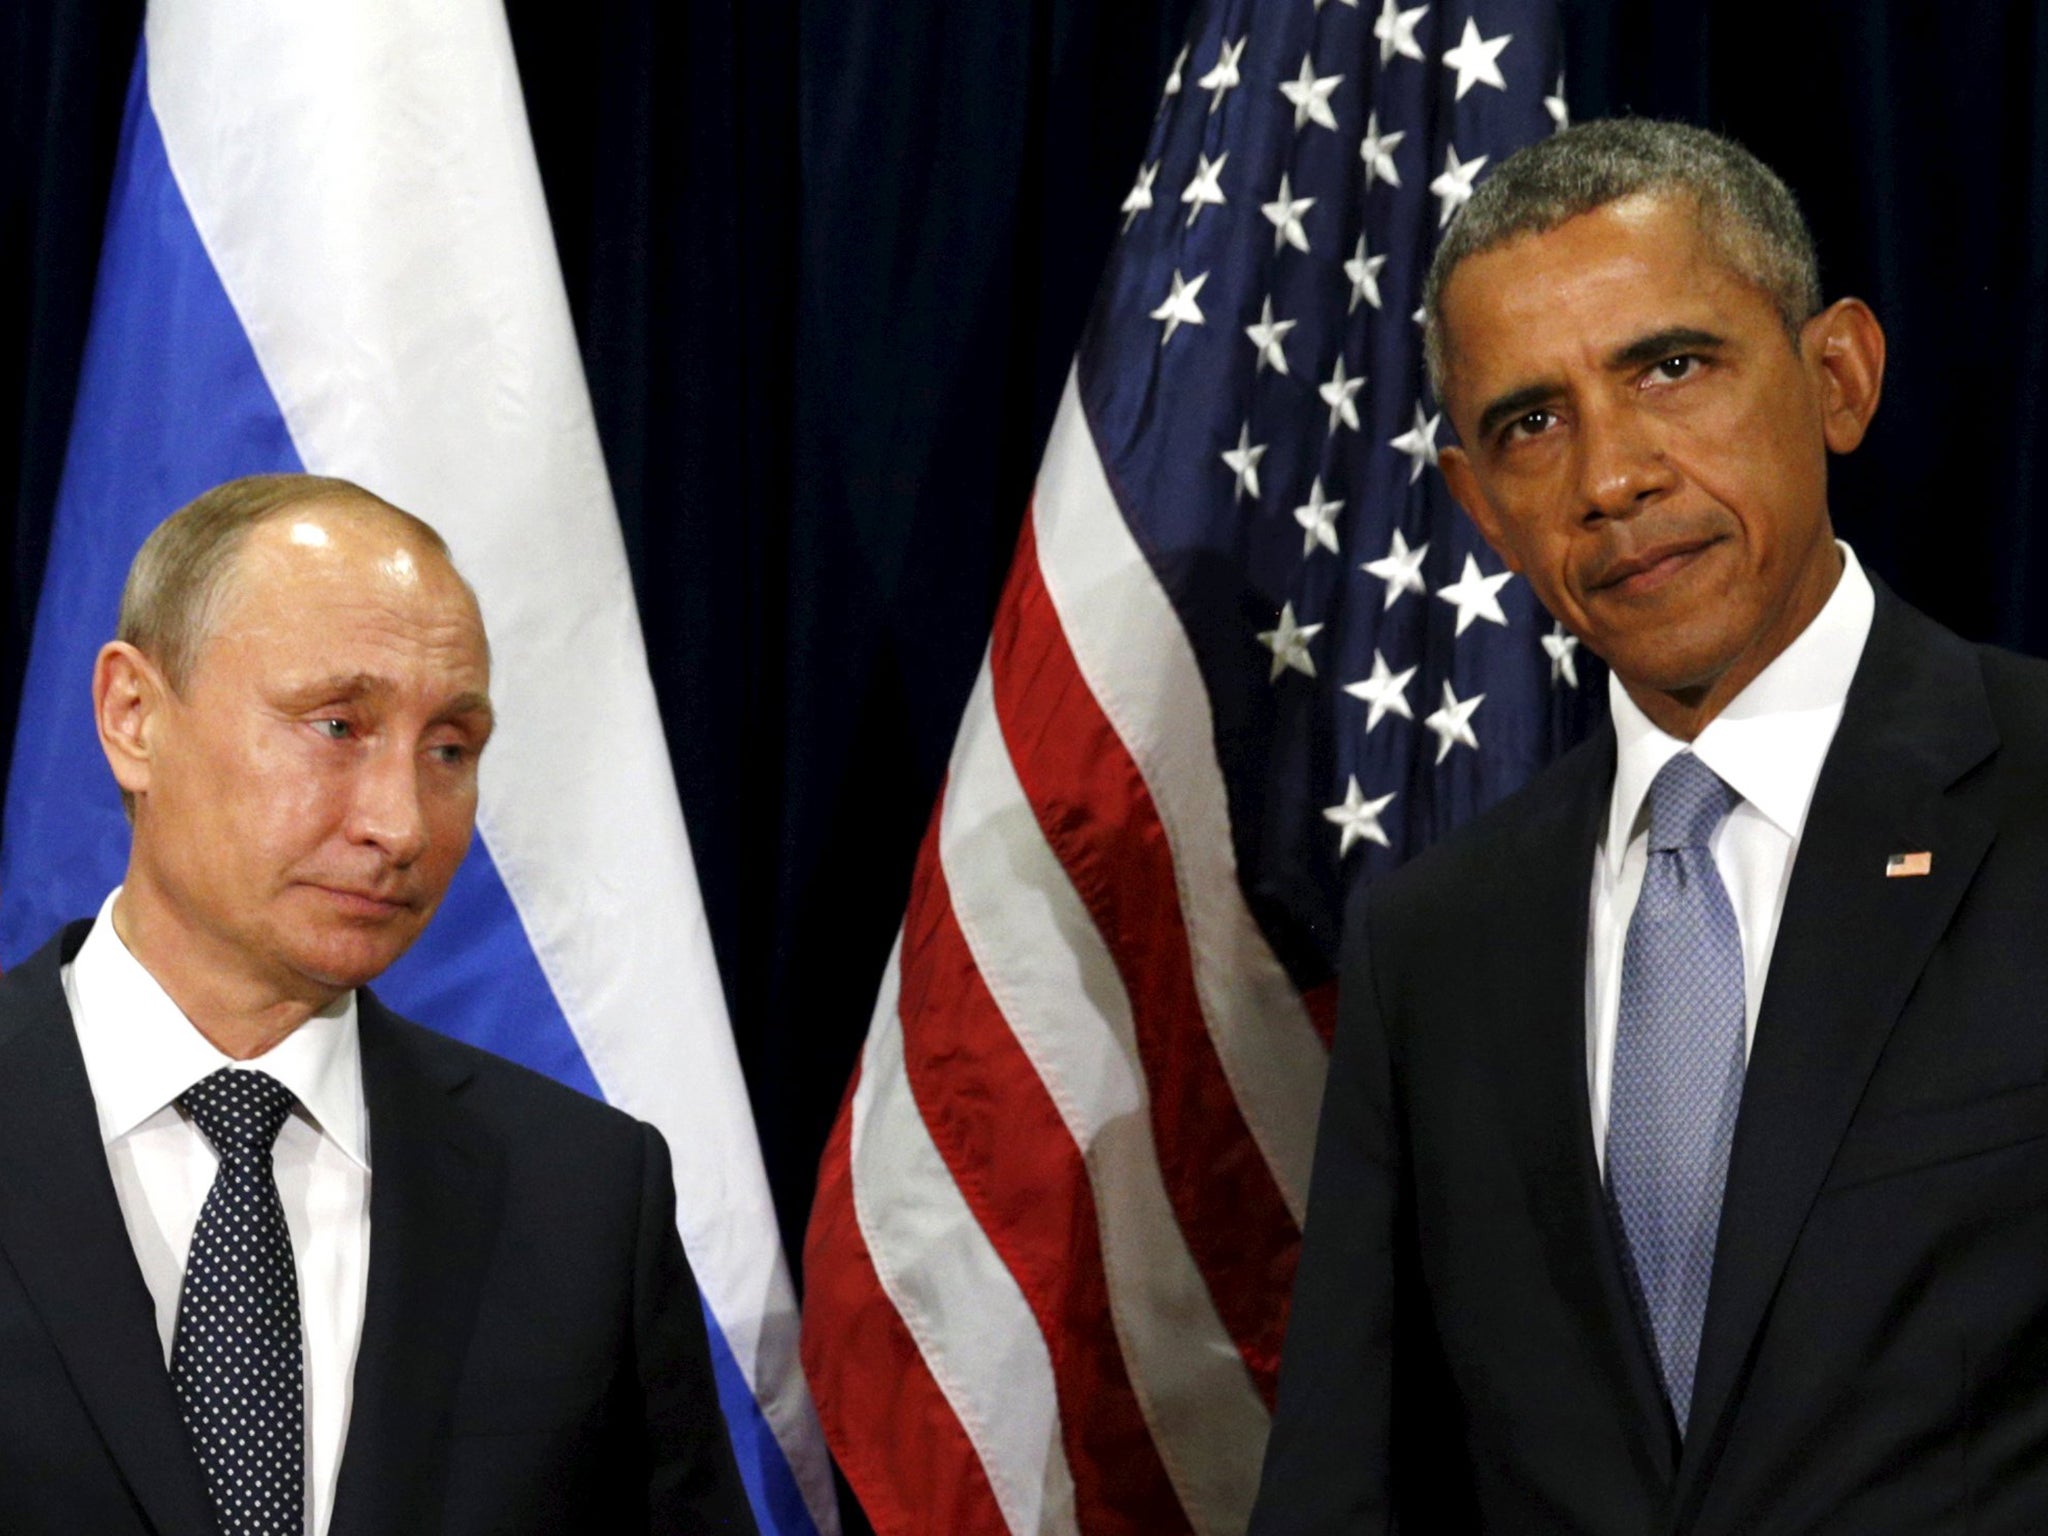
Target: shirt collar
(141, 1052)
(1769, 743)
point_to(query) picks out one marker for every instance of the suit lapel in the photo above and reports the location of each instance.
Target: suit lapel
(1850, 946)
(62, 1233)
(1545, 1091)
(435, 1185)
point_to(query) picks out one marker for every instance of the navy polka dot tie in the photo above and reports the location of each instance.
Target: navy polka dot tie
(1679, 1059)
(235, 1359)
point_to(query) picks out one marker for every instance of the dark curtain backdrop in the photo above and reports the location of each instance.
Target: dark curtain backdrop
(828, 259)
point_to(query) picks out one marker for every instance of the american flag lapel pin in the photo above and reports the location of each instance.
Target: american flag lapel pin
(1901, 865)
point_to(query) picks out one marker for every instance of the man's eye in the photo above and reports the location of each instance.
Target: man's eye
(333, 730)
(1672, 369)
(1530, 424)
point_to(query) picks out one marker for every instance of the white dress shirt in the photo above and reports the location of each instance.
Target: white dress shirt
(140, 1054)
(1767, 746)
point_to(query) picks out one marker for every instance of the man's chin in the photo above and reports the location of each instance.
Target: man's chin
(347, 961)
(1673, 659)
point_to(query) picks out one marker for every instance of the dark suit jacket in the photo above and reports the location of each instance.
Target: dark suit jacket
(1463, 1353)
(533, 1355)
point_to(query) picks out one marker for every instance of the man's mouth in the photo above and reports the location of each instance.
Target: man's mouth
(1649, 569)
(364, 903)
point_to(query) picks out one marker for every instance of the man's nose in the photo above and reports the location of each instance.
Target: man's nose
(1622, 465)
(387, 810)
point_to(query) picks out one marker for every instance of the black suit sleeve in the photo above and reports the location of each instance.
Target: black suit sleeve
(693, 1483)
(1329, 1463)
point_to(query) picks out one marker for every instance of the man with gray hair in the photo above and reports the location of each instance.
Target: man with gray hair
(1684, 1161)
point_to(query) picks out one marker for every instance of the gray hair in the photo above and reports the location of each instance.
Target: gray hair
(1745, 212)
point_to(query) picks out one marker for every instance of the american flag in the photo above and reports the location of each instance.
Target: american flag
(1250, 654)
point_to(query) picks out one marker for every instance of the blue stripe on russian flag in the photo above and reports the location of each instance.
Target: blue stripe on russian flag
(170, 401)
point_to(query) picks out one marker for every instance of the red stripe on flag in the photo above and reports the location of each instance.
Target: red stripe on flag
(894, 1434)
(1096, 812)
(1321, 1003)
(1023, 1176)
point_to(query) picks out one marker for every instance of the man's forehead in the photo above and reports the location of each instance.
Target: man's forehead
(312, 578)
(316, 532)
(1647, 238)
(1594, 285)
(344, 548)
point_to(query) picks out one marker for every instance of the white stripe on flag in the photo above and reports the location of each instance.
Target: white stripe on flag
(953, 1291)
(1135, 656)
(1046, 966)
(363, 180)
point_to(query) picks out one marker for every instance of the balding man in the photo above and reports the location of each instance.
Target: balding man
(272, 1259)
(1684, 1161)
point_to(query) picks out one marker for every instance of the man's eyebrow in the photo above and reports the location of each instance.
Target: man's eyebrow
(341, 685)
(1516, 402)
(1659, 345)
(471, 704)
(368, 685)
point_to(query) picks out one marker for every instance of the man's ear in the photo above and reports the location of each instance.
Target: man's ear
(128, 699)
(1464, 484)
(1845, 344)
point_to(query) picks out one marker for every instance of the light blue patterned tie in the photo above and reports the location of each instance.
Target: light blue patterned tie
(1678, 1063)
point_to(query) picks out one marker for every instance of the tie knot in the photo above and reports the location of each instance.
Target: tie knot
(1687, 801)
(238, 1110)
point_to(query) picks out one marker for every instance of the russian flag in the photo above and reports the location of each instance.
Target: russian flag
(328, 250)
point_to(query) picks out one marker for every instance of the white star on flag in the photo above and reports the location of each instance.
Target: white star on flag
(1453, 723)
(1222, 79)
(1318, 519)
(1476, 596)
(1454, 186)
(1418, 442)
(1180, 62)
(1359, 818)
(1554, 104)
(1560, 645)
(1284, 213)
(1400, 568)
(1364, 272)
(1139, 198)
(1386, 691)
(1475, 59)
(1340, 394)
(1179, 307)
(1311, 96)
(1202, 190)
(1395, 28)
(1376, 149)
(1266, 335)
(1288, 641)
(1244, 462)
